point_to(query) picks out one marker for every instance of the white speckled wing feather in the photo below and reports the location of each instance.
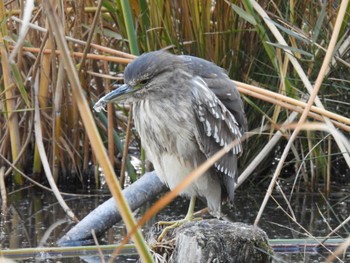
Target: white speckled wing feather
(217, 127)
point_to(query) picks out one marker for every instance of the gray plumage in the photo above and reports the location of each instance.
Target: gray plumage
(185, 110)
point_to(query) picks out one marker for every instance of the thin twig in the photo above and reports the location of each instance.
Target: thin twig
(3, 188)
(126, 148)
(97, 246)
(43, 156)
(90, 36)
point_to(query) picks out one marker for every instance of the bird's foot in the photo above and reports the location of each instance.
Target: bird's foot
(174, 224)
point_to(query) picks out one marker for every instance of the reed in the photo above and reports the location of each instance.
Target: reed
(272, 50)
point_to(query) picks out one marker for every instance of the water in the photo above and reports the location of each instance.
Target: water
(34, 218)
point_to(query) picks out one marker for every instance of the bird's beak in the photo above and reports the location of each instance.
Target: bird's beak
(118, 94)
(115, 95)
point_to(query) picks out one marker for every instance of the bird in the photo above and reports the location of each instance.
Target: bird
(185, 109)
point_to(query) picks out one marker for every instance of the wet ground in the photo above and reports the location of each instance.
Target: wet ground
(34, 218)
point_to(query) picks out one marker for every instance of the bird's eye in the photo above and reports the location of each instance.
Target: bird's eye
(143, 81)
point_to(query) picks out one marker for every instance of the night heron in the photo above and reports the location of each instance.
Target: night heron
(185, 110)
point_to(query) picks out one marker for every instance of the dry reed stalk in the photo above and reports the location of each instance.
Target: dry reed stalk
(126, 149)
(44, 82)
(3, 189)
(260, 95)
(244, 88)
(57, 123)
(312, 99)
(44, 159)
(92, 132)
(80, 55)
(10, 95)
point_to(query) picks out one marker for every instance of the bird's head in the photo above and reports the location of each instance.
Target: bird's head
(148, 76)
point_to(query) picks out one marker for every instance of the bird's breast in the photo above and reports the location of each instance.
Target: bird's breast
(167, 135)
(165, 128)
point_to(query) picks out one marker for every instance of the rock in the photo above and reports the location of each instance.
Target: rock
(212, 240)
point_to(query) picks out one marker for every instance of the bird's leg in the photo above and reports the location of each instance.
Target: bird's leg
(177, 223)
(188, 217)
(190, 211)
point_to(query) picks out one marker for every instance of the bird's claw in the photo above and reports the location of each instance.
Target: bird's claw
(174, 224)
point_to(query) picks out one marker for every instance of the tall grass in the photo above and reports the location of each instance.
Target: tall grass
(279, 48)
(229, 33)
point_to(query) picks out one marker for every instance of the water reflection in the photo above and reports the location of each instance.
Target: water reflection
(34, 218)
